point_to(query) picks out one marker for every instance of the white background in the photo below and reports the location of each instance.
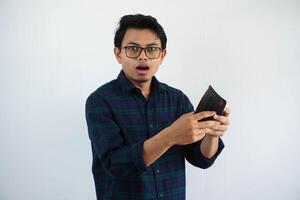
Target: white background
(53, 54)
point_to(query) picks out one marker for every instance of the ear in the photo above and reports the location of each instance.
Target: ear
(163, 54)
(118, 56)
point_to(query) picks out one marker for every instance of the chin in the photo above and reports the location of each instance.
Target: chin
(142, 80)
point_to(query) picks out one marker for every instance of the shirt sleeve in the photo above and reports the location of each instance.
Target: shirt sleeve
(192, 151)
(118, 159)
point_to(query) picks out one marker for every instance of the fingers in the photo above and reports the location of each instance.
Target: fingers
(226, 111)
(220, 127)
(211, 132)
(201, 131)
(218, 130)
(207, 124)
(204, 114)
(224, 120)
(198, 134)
(213, 125)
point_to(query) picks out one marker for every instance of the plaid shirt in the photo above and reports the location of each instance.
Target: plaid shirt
(119, 120)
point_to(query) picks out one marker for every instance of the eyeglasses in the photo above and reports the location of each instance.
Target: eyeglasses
(135, 51)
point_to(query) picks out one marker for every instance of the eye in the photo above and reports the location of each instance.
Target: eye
(133, 48)
(151, 49)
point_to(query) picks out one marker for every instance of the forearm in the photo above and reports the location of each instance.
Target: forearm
(156, 146)
(209, 146)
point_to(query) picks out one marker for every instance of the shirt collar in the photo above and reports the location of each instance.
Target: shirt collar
(126, 86)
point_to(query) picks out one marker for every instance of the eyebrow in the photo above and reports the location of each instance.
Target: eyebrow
(151, 44)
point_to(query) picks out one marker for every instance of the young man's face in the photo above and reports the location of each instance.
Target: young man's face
(142, 68)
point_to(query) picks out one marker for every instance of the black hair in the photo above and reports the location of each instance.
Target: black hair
(139, 21)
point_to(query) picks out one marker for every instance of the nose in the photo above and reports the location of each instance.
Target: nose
(143, 55)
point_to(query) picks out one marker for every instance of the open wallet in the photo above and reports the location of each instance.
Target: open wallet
(211, 101)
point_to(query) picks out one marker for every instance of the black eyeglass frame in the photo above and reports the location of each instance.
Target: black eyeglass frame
(142, 49)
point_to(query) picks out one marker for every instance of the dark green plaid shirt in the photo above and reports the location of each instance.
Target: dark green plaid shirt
(119, 120)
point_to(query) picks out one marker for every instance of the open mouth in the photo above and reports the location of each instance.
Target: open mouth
(142, 70)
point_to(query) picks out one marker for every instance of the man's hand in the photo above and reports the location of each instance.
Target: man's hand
(221, 127)
(187, 129)
(210, 143)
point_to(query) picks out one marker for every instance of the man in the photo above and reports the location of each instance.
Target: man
(142, 130)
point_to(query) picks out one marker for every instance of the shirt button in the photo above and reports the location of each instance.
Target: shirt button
(157, 171)
(161, 195)
(151, 126)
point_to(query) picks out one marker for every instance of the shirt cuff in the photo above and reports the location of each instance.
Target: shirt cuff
(137, 156)
(199, 160)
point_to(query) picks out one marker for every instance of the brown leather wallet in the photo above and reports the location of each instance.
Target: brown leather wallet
(211, 101)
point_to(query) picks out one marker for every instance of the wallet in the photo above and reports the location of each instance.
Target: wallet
(211, 101)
